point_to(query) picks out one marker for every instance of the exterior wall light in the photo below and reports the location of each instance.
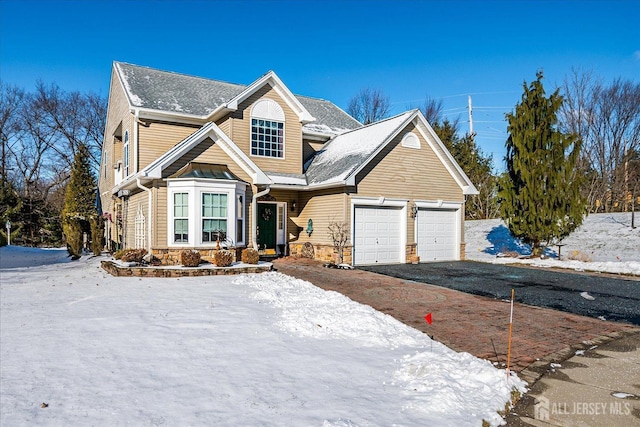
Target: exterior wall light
(413, 210)
(309, 227)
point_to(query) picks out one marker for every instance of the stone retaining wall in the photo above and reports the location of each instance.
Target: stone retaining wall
(116, 270)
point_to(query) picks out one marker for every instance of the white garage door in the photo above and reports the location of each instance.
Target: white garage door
(377, 235)
(436, 235)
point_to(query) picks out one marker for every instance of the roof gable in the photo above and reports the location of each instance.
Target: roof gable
(347, 154)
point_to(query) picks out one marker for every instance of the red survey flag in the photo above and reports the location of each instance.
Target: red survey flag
(428, 318)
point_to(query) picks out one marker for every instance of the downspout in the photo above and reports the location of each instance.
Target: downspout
(150, 211)
(254, 215)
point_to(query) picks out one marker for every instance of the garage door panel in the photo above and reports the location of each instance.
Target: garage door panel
(436, 231)
(377, 235)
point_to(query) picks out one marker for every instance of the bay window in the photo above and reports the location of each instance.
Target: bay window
(202, 211)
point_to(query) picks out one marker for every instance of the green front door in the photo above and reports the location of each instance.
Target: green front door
(267, 220)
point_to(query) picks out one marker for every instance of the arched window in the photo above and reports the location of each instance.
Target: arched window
(411, 140)
(267, 129)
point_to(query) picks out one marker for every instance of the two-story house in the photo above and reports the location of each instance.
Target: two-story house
(191, 163)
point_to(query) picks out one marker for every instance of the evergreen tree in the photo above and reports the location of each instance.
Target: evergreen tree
(540, 193)
(478, 168)
(10, 206)
(79, 202)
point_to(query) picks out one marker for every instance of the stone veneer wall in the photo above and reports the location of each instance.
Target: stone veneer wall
(172, 256)
(322, 252)
(116, 270)
(327, 253)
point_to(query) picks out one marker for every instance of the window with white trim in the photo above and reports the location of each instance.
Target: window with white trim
(267, 129)
(240, 218)
(214, 217)
(201, 210)
(180, 217)
(125, 149)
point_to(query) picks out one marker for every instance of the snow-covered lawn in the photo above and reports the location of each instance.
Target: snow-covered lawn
(79, 347)
(604, 243)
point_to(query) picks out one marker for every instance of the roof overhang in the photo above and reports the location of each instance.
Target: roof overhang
(209, 130)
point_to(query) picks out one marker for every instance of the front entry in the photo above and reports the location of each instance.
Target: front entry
(267, 220)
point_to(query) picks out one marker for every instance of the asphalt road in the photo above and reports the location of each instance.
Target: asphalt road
(614, 299)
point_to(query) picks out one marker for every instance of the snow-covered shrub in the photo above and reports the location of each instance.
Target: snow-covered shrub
(190, 258)
(223, 258)
(250, 256)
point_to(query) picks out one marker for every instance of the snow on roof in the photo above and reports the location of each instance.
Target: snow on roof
(348, 151)
(180, 93)
(287, 178)
(167, 91)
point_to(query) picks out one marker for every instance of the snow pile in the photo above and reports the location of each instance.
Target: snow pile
(604, 243)
(447, 387)
(80, 347)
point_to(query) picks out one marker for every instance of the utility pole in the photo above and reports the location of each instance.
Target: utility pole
(626, 177)
(470, 118)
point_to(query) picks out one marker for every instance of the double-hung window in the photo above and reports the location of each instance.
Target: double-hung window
(214, 217)
(181, 217)
(125, 154)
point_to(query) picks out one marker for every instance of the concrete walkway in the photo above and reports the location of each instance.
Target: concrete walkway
(479, 325)
(599, 386)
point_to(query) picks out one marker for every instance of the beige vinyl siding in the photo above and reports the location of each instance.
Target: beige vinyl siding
(156, 138)
(408, 173)
(160, 215)
(240, 129)
(117, 112)
(225, 126)
(208, 152)
(130, 210)
(322, 208)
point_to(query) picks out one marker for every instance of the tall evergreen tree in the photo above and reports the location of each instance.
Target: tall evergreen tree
(79, 202)
(477, 166)
(540, 190)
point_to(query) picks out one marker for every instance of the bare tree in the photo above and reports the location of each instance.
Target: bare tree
(432, 110)
(41, 132)
(607, 119)
(369, 106)
(11, 99)
(339, 234)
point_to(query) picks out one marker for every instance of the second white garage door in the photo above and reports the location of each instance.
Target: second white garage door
(377, 235)
(437, 234)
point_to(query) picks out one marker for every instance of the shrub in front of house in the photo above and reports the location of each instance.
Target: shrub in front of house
(223, 258)
(190, 258)
(133, 255)
(120, 253)
(250, 256)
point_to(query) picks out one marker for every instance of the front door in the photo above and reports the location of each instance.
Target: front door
(267, 220)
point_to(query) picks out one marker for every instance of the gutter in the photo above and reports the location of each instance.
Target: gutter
(254, 216)
(149, 214)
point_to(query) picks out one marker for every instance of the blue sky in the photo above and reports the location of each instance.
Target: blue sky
(331, 49)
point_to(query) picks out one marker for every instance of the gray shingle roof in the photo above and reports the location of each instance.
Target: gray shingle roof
(180, 93)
